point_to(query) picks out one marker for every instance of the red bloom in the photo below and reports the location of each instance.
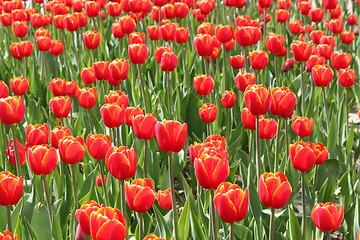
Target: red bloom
(267, 128)
(257, 99)
(259, 59)
(12, 110)
(322, 75)
(60, 106)
(327, 217)
(244, 79)
(72, 150)
(91, 39)
(282, 102)
(10, 152)
(346, 77)
(203, 84)
(42, 159)
(58, 133)
(164, 199)
(144, 126)
(11, 188)
(19, 85)
(302, 156)
(140, 195)
(87, 97)
(121, 162)
(302, 126)
(97, 145)
(83, 215)
(138, 53)
(228, 99)
(171, 135)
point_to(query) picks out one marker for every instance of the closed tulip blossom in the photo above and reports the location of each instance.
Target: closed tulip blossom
(19, 85)
(347, 37)
(171, 135)
(153, 237)
(101, 70)
(204, 44)
(327, 217)
(247, 35)
(211, 170)
(321, 153)
(37, 134)
(168, 61)
(231, 202)
(109, 222)
(57, 86)
(274, 190)
(237, 61)
(121, 162)
(258, 59)
(275, 43)
(257, 99)
(82, 215)
(296, 27)
(203, 84)
(313, 61)
(228, 99)
(208, 112)
(72, 150)
(140, 195)
(164, 199)
(302, 126)
(12, 110)
(10, 152)
(42, 159)
(57, 134)
(322, 75)
(302, 156)
(4, 90)
(138, 53)
(324, 50)
(340, 60)
(144, 126)
(97, 145)
(347, 77)
(244, 79)
(119, 69)
(11, 188)
(130, 113)
(301, 50)
(282, 102)
(88, 75)
(87, 97)
(7, 235)
(91, 39)
(60, 106)
(112, 115)
(267, 128)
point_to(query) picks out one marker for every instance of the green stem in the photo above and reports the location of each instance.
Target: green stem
(17, 158)
(47, 197)
(173, 200)
(147, 105)
(228, 123)
(102, 163)
(8, 214)
(185, 84)
(326, 112)
(271, 166)
(347, 111)
(303, 206)
(169, 95)
(213, 214)
(123, 203)
(302, 90)
(145, 160)
(73, 175)
(276, 162)
(328, 235)
(141, 225)
(90, 119)
(272, 224)
(258, 157)
(4, 141)
(232, 231)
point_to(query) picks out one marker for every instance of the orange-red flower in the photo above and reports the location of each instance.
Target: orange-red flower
(91, 39)
(42, 159)
(347, 37)
(313, 61)
(83, 215)
(88, 75)
(203, 84)
(87, 97)
(138, 53)
(301, 50)
(282, 15)
(346, 77)
(4, 90)
(275, 43)
(208, 112)
(37, 134)
(316, 14)
(302, 156)
(248, 119)
(164, 199)
(19, 85)
(144, 126)
(168, 61)
(231, 202)
(72, 150)
(10, 152)
(267, 128)
(228, 99)
(224, 33)
(118, 97)
(58, 133)
(101, 70)
(7, 235)
(340, 60)
(247, 35)
(12, 110)
(322, 75)
(258, 59)
(60, 106)
(237, 61)
(130, 113)
(302, 126)
(244, 79)
(109, 222)
(274, 189)
(112, 115)
(327, 217)
(20, 28)
(282, 102)
(257, 99)
(57, 86)
(171, 135)
(11, 188)
(204, 44)
(56, 48)
(140, 195)
(321, 153)
(296, 26)
(121, 162)
(97, 145)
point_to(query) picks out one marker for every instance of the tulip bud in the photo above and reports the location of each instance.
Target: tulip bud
(171, 135)
(42, 159)
(203, 84)
(322, 75)
(10, 152)
(164, 199)
(267, 128)
(87, 97)
(302, 156)
(228, 99)
(97, 145)
(140, 195)
(60, 106)
(327, 217)
(138, 53)
(91, 39)
(302, 126)
(57, 134)
(346, 77)
(11, 188)
(19, 85)
(257, 99)
(237, 61)
(208, 112)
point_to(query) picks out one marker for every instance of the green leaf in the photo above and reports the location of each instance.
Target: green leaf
(184, 223)
(293, 226)
(40, 222)
(333, 135)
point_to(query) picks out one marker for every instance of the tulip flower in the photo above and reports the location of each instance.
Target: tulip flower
(274, 190)
(140, 195)
(275, 43)
(11, 188)
(322, 75)
(296, 27)
(302, 156)
(159, 51)
(56, 47)
(114, 9)
(327, 217)
(20, 28)
(267, 128)
(7, 235)
(324, 50)
(246, 36)
(208, 112)
(109, 222)
(57, 86)
(313, 61)
(211, 170)
(98, 180)
(171, 135)
(91, 39)
(203, 84)
(42, 159)
(316, 35)
(60, 106)
(282, 102)
(302, 126)
(101, 70)
(72, 150)
(4, 90)
(181, 35)
(43, 43)
(329, 40)
(282, 15)
(87, 97)
(119, 69)
(88, 75)
(92, 9)
(168, 61)
(118, 97)
(112, 115)
(204, 44)
(164, 199)
(130, 113)
(228, 99)
(121, 162)
(127, 24)
(153, 237)
(224, 33)
(10, 152)
(347, 77)
(12, 110)
(138, 53)
(244, 79)
(258, 59)
(71, 89)
(57, 134)
(37, 134)
(231, 202)
(144, 126)
(82, 215)
(301, 50)
(316, 14)
(19, 85)
(257, 99)
(237, 61)
(154, 32)
(340, 60)
(347, 37)
(167, 31)
(97, 145)
(321, 153)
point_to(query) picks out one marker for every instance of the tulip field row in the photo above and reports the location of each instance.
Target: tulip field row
(181, 119)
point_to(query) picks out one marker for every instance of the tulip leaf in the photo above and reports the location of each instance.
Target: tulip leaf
(87, 187)
(40, 222)
(294, 229)
(196, 230)
(243, 232)
(3, 221)
(161, 226)
(333, 135)
(350, 139)
(184, 222)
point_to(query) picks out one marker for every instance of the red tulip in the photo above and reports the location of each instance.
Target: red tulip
(302, 126)
(97, 145)
(137, 37)
(352, 19)
(314, 60)
(7, 235)
(57, 86)
(258, 59)
(112, 115)
(114, 9)
(71, 89)
(347, 37)
(246, 36)
(321, 153)
(72, 150)
(204, 44)
(140, 195)
(248, 119)
(91, 39)
(144, 126)
(296, 27)
(322, 75)
(138, 53)
(336, 26)
(164, 199)
(167, 31)
(12, 110)
(101, 70)
(118, 97)
(228, 99)
(109, 222)
(282, 15)
(274, 189)
(130, 113)
(37, 134)
(56, 47)
(231, 202)
(168, 62)
(327, 217)
(340, 60)
(117, 31)
(237, 61)
(11, 188)
(301, 50)
(347, 77)
(98, 180)
(88, 75)
(4, 90)
(20, 28)
(329, 4)
(127, 24)
(257, 99)
(208, 112)
(83, 215)
(121, 162)
(302, 156)
(282, 102)
(171, 135)
(244, 79)
(87, 97)
(316, 14)
(57, 134)
(211, 170)
(203, 84)
(60, 106)
(316, 36)
(10, 152)
(275, 43)
(92, 9)
(154, 32)
(42, 159)
(329, 40)
(19, 85)
(304, 7)
(181, 35)
(224, 33)
(267, 128)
